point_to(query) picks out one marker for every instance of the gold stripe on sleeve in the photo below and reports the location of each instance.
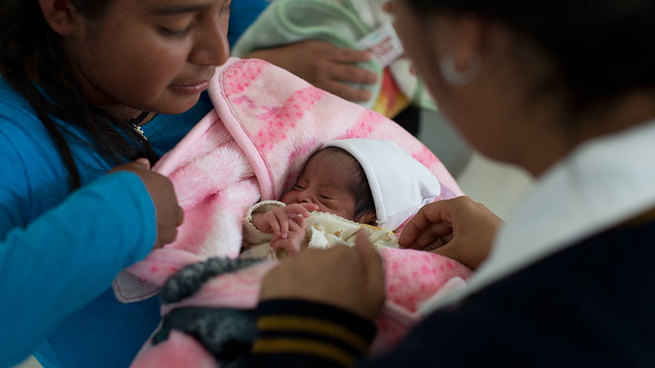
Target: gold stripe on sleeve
(313, 325)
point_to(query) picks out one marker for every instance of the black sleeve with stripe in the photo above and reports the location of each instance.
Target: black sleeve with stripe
(296, 333)
(589, 305)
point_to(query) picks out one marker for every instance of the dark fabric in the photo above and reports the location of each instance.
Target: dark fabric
(410, 119)
(226, 333)
(191, 278)
(590, 305)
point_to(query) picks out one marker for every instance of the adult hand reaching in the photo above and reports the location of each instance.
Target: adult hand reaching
(350, 278)
(169, 214)
(324, 65)
(458, 228)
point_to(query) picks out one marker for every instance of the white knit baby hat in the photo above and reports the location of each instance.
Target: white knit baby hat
(399, 183)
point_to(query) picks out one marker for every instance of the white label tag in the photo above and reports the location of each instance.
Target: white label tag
(384, 44)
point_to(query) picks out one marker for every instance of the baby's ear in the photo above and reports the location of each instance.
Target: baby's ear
(367, 217)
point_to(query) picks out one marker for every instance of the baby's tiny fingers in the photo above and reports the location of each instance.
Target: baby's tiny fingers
(273, 222)
(283, 222)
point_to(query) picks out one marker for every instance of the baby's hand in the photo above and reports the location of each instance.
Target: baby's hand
(294, 241)
(277, 220)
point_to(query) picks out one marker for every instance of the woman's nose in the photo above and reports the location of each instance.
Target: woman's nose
(211, 46)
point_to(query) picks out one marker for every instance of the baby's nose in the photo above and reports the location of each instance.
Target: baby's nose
(304, 197)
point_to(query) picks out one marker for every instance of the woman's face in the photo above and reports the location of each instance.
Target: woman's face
(427, 39)
(150, 55)
(495, 112)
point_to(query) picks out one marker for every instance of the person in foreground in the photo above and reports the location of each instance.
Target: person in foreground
(81, 83)
(567, 91)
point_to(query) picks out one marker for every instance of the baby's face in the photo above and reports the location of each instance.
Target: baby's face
(326, 183)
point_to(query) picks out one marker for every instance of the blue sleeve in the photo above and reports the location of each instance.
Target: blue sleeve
(242, 14)
(67, 256)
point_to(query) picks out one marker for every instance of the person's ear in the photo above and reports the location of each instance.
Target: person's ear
(466, 40)
(60, 15)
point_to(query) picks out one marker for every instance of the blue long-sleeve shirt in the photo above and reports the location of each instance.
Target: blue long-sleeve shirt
(59, 252)
(56, 264)
(242, 14)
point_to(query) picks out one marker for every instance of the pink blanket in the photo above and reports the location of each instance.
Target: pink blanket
(265, 125)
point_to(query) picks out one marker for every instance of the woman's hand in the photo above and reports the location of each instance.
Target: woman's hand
(324, 65)
(458, 228)
(350, 278)
(168, 212)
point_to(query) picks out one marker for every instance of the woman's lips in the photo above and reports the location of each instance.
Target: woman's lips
(190, 88)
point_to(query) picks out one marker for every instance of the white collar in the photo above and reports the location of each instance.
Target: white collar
(601, 184)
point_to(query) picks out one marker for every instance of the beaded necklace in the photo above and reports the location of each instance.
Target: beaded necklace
(138, 121)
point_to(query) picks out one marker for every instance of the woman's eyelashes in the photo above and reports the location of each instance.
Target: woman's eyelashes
(180, 32)
(174, 32)
(225, 10)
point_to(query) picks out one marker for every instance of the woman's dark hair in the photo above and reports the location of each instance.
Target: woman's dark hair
(602, 48)
(27, 39)
(359, 187)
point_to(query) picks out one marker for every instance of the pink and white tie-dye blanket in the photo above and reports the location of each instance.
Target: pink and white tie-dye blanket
(251, 147)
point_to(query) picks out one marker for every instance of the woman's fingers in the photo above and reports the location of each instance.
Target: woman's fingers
(143, 161)
(345, 91)
(426, 226)
(457, 228)
(435, 235)
(168, 213)
(353, 74)
(346, 55)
